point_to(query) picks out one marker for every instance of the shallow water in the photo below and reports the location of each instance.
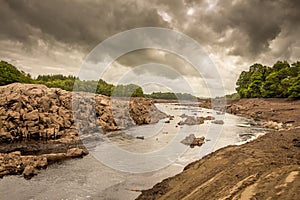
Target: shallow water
(122, 164)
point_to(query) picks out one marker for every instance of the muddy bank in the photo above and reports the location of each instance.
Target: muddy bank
(37, 123)
(268, 167)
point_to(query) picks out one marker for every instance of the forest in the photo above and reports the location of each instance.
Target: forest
(282, 80)
(10, 74)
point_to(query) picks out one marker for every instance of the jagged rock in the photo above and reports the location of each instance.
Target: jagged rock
(76, 152)
(105, 102)
(29, 172)
(188, 140)
(13, 114)
(192, 141)
(31, 116)
(197, 142)
(15, 163)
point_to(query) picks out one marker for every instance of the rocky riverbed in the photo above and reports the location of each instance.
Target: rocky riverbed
(38, 124)
(265, 168)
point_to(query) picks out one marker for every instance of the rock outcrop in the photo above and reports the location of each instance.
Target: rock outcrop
(36, 120)
(15, 163)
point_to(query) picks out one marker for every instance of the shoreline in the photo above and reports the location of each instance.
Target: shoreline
(268, 166)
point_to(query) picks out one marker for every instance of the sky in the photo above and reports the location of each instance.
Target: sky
(58, 36)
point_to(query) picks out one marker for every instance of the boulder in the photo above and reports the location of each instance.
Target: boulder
(192, 140)
(218, 122)
(197, 142)
(76, 152)
(209, 118)
(188, 140)
(31, 116)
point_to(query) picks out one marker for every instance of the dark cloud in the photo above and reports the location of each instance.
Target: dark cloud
(76, 23)
(252, 25)
(236, 33)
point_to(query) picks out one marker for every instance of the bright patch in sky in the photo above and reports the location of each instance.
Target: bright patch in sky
(190, 11)
(165, 16)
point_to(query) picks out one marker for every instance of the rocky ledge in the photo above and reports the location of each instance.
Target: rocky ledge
(38, 126)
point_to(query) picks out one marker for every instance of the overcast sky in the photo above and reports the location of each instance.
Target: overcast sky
(56, 36)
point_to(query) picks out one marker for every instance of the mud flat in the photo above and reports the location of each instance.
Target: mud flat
(37, 124)
(268, 167)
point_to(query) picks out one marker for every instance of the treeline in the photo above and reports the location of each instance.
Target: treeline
(170, 96)
(10, 74)
(281, 80)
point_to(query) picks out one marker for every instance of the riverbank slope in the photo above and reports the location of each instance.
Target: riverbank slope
(268, 167)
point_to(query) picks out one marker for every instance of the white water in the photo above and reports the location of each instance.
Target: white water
(88, 178)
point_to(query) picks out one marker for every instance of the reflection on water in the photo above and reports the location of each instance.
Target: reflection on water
(88, 178)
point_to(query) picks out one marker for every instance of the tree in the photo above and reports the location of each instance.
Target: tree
(294, 89)
(280, 80)
(10, 74)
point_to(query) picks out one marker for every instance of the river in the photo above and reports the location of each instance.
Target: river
(122, 165)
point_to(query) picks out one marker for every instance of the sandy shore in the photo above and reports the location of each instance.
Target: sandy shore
(268, 167)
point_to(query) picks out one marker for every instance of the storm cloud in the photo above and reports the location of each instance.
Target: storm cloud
(55, 36)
